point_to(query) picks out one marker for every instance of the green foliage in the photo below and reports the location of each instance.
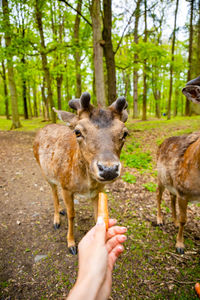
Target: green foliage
(133, 157)
(150, 186)
(130, 178)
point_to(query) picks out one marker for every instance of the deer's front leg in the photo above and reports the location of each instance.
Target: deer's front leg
(56, 220)
(160, 190)
(182, 203)
(69, 202)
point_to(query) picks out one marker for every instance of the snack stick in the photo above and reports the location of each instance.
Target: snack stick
(103, 208)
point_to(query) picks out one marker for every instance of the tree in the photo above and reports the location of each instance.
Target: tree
(135, 68)
(77, 50)
(144, 103)
(108, 51)
(98, 52)
(172, 61)
(11, 79)
(187, 104)
(38, 13)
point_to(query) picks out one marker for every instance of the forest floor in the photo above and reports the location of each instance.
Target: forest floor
(34, 260)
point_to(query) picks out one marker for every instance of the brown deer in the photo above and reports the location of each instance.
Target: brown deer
(178, 163)
(83, 157)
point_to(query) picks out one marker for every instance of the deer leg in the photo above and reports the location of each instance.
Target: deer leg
(160, 190)
(173, 208)
(56, 220)
(69, 202)
(182, 203)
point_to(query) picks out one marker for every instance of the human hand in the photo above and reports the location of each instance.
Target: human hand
(98, 251)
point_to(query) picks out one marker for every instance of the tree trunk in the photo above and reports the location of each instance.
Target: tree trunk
(29, 100)
(187, 104)
(135, 69)
(35, 100)
(11, 79)
(77, 56)
(98, 52)
(171, 65)
(24, 90)
(144, 104)
(45, 101)
(44, 57)
(5, 91)
(198, 43)
(108, 51)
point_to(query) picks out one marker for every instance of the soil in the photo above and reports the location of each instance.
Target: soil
(26, 231)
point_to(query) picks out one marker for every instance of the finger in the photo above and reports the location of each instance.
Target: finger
(111, 222)
(100, 231)
(115, 230)
(114, 241)
(114, 254)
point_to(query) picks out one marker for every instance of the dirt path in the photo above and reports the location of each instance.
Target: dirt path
(34, 261)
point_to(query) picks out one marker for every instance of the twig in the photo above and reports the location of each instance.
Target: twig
(78, 12)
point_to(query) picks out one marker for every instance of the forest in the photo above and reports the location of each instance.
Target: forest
(52, 51)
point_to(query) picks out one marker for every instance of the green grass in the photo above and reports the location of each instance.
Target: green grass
(150, 186)
(127, 177)
(27, 125)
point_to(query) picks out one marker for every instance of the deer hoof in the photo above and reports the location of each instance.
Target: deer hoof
(62, 212)
(56, 225)
(180, 250)
(73, 250)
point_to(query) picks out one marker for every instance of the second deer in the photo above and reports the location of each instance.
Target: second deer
(178, 163)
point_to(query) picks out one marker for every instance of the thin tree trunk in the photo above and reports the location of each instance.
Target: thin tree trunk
(187, 104)
(135, 69)
(198, 43)
(11, 78)
(77, 56)
(29, 100)
(35, 100)
(171, 65)
(24, 90)
(44, 57)
(45, 101)
(144, 106)
(5, 91)
(98, 52)
(108, 51)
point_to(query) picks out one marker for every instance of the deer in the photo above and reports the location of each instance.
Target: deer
(178, 165)
(81, 156)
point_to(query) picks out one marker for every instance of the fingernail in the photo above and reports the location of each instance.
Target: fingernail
(100, 221)
(124, 238)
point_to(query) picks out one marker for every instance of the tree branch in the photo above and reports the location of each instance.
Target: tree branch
(78, 12)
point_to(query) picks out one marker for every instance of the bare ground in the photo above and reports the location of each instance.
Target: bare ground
(149, 267)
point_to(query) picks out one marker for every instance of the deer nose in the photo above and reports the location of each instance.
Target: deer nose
(108, 172)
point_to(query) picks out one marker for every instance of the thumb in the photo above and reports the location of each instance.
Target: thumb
(100, 231)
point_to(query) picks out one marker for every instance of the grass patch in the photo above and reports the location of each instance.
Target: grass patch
(130, 178)
(150, 186)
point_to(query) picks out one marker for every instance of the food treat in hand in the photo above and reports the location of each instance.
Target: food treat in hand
(103, 208)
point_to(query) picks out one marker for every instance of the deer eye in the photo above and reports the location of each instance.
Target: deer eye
(125, 135)
(77, 133)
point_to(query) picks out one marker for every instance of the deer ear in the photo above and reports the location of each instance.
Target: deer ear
(75, 104)
(192, 92)
(119, 108)
(85, 101)
(65, 116)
